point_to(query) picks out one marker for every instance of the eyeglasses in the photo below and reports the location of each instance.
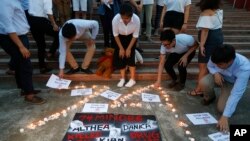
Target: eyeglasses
(166, 44)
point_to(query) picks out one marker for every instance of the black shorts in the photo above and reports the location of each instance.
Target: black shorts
(121, 63)
(214, 39)
(173, 19)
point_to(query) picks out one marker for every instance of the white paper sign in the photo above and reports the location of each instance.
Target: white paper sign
(77, 92)
(95, 108)
(219, 136)
(201, 118)
(58, 83)
(150, 97)
(110, 95)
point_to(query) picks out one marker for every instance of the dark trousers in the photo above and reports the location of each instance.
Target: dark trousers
(22, 66)
(39, 28)
(11, 62)
(158, 16)
(172, 59)
(121, 63)
(106, 21)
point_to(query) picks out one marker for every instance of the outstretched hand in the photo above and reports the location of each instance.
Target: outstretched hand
(61, 73)
(223, 124)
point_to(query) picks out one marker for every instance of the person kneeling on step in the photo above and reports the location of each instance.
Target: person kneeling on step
(230, 71)
(181, 49)
(72, 30)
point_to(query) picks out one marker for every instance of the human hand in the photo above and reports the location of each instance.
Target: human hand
(202, 49)
(91, 42)
(183, 61)
(139, 8)
(128, 52)
(25, 52)
(218, 79)
(223, 124)
(61, 73)
(122, 53)
(184, 28)
(55, 27)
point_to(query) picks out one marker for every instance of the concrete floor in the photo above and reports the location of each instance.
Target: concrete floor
(15, 114)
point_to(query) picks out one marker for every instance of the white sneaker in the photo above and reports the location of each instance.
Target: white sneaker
(130, 83)
(121, 83)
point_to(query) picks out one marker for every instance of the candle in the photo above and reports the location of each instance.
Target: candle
(173, 110)
(188, 132)
(21, 130)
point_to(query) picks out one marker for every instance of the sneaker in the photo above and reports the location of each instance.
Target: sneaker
(179, 87)
(130, 83)
(172, 84)
(121, 83)
(88, 71)
(35, 100)
(72, 71)
(45, 70)
(23, 93)
(149, 40)
(156, 32)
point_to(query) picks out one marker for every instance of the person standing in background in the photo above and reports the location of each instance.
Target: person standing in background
(14, 41)
(107, 10)
(175, 15)
(63, 7)
(42, 23)
(147, 9)
(159, 8)
(80, 8)
(210, 36)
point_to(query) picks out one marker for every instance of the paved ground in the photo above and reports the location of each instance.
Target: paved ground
(16, 115)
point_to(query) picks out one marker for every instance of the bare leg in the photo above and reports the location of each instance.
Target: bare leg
(202, 72)
(132, 72)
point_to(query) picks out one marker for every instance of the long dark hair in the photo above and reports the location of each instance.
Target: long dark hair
(209, 4)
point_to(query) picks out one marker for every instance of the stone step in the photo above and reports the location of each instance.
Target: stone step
(150, 60)
(150, 52)
(142, 44)
(141, 74)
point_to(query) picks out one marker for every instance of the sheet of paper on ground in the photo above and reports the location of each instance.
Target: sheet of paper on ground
(219, 136)
(77, 92)
(58, 83)
(95, 108)
(110, 95)
(201, 118)
(150, 97)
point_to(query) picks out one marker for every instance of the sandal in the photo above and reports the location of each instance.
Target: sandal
(207, 102)
(195, 93)
(34, 100)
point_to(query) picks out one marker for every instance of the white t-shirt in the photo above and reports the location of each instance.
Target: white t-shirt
(146, 2)
(40, 8)
(211, 22)
(183, 43)
(81, 26)
(176, 5)
(160, 2)
(132, 27)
